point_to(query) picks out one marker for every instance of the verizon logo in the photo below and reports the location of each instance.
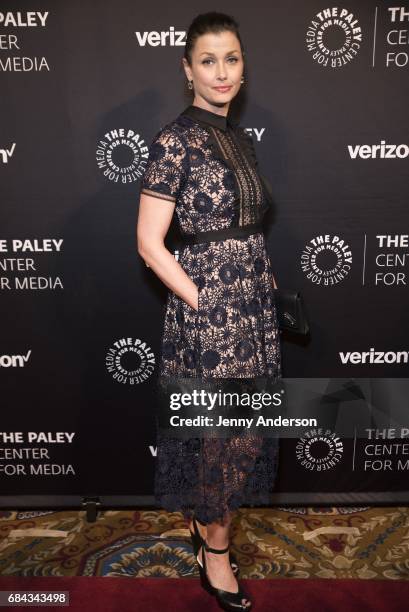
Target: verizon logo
(5, 154)
(14, 361)
(171, 38)
(373, 356)
(379, 151)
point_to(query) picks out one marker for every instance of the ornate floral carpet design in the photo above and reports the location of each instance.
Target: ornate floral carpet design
(343, 542)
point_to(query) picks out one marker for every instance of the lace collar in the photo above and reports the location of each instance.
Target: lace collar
(205, 116)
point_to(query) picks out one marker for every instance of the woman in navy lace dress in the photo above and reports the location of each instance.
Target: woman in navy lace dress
(220, 319)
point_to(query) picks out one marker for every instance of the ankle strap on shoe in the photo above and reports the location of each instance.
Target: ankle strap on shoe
(217, 551)
(196, 529)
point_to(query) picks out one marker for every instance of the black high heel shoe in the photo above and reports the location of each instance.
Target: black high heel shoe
(227, 600)
(197, 541)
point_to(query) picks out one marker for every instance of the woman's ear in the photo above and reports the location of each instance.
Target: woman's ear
(187, 69)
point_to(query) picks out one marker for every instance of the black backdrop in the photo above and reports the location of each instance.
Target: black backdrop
(84, 88)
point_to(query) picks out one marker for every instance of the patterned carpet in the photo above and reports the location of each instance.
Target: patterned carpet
(343, 542)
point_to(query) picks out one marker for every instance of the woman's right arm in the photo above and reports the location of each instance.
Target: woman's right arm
(166, 169)
(154, 218)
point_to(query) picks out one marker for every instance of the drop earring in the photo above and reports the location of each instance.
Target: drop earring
(190, 84)
(242, 80)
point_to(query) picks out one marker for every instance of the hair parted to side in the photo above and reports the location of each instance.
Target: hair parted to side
(209, 22)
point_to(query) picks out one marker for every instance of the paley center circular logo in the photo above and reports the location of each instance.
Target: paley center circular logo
(130, 361)
(319, 450)
(334, 37)
(122, 155)
(326, 260)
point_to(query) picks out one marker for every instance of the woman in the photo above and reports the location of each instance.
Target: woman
(220, 318)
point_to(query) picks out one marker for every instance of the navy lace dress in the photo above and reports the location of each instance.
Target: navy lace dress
(206, 164)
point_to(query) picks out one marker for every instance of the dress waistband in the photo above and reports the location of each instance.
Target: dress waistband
(242, 231)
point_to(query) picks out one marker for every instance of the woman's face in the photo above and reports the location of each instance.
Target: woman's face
(217, 62)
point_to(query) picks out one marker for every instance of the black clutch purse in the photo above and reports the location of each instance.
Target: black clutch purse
(291, 311)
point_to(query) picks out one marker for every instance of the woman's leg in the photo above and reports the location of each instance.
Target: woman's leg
(218, 565)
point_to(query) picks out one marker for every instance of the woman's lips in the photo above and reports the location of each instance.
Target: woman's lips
(222, 89)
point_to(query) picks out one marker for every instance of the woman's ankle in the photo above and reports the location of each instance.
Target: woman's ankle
(217, 544)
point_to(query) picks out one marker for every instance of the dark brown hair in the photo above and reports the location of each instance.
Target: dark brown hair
(209, 22)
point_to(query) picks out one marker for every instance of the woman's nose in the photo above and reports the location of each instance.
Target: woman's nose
(221, 72)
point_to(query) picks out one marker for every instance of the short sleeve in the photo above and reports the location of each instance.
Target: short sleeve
(166, 169)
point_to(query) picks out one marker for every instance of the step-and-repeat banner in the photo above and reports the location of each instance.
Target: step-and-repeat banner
(84, 88)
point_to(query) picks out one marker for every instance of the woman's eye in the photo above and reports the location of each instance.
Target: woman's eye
(206, 61)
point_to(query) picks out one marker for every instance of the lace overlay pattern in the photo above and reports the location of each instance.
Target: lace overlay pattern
(251, 191)
(210, 171)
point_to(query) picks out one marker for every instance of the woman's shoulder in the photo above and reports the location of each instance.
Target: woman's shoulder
(182, 132)
(174, 131)
(169, 129)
